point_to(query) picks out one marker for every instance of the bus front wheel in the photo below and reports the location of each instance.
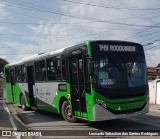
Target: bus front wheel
(66, 111)
(23, 103)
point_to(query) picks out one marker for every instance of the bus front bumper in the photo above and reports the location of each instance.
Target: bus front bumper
(101, 113)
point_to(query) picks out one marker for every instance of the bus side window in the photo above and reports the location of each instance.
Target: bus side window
(58, 70)
(51, 69)
(63, 69)
(7, 75)
(12, 76)
(23, 75)
(18, 73)
(40, 71)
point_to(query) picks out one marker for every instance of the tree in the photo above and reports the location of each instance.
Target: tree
(158, 66)
(3, 62)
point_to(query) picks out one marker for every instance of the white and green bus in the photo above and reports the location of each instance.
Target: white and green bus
(95, 81)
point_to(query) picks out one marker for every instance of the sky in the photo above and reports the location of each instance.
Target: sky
(29, 27)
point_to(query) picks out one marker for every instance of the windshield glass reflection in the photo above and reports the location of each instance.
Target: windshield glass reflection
(111, 74)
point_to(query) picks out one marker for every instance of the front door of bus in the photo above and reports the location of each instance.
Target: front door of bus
(30, 86)
(77, 85)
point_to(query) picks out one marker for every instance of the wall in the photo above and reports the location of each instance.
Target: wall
(154, 91)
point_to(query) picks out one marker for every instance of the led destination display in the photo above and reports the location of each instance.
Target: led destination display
(116, 48)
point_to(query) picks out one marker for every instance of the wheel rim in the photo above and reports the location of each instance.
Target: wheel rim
(68, 111)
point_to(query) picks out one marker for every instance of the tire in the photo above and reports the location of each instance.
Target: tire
(23, 103)
(66, 112)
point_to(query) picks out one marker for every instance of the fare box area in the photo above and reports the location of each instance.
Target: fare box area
(93, 133)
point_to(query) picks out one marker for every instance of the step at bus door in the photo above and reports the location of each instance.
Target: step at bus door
(30, 77)
(77, 86)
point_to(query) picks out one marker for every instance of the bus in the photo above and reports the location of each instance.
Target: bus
(96, 80)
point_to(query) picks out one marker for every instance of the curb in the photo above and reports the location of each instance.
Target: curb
(11, 120)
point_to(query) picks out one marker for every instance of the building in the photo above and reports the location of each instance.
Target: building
(153, 73)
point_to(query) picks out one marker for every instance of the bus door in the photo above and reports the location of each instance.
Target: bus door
(77, 86)
(30, 77)
(12, 84)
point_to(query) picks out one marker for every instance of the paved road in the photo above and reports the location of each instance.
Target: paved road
(40, 120)
(5, 120)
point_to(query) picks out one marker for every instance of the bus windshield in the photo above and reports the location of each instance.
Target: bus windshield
(120, 71)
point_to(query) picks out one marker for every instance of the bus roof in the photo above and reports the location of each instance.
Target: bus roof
(36, 57)
(56, 52)
(15, 63)
(29, 58)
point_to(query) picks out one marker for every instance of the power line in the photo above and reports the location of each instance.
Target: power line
(148, 39)
(67, 23)
(45, 35)
(51, 23)
(15, 54)
(151, 43)
(151, 26)
(151, 47)
(10, 22)
(19, 35)
(147, 19)
(150, 33)
(82, 22)
(139, 32)
(73, 36)
(54, 23)
(78, 17)
(109, 7)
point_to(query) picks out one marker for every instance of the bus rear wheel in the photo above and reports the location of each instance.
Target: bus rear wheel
(23, 103)
(66, 112)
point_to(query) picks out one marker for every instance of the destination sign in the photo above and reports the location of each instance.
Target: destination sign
(116, 48)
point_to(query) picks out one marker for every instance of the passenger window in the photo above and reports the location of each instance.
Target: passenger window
(53, 69)
(40, 71)
(7, 75)
(23, 75)
(63, 69)
(18, 73)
